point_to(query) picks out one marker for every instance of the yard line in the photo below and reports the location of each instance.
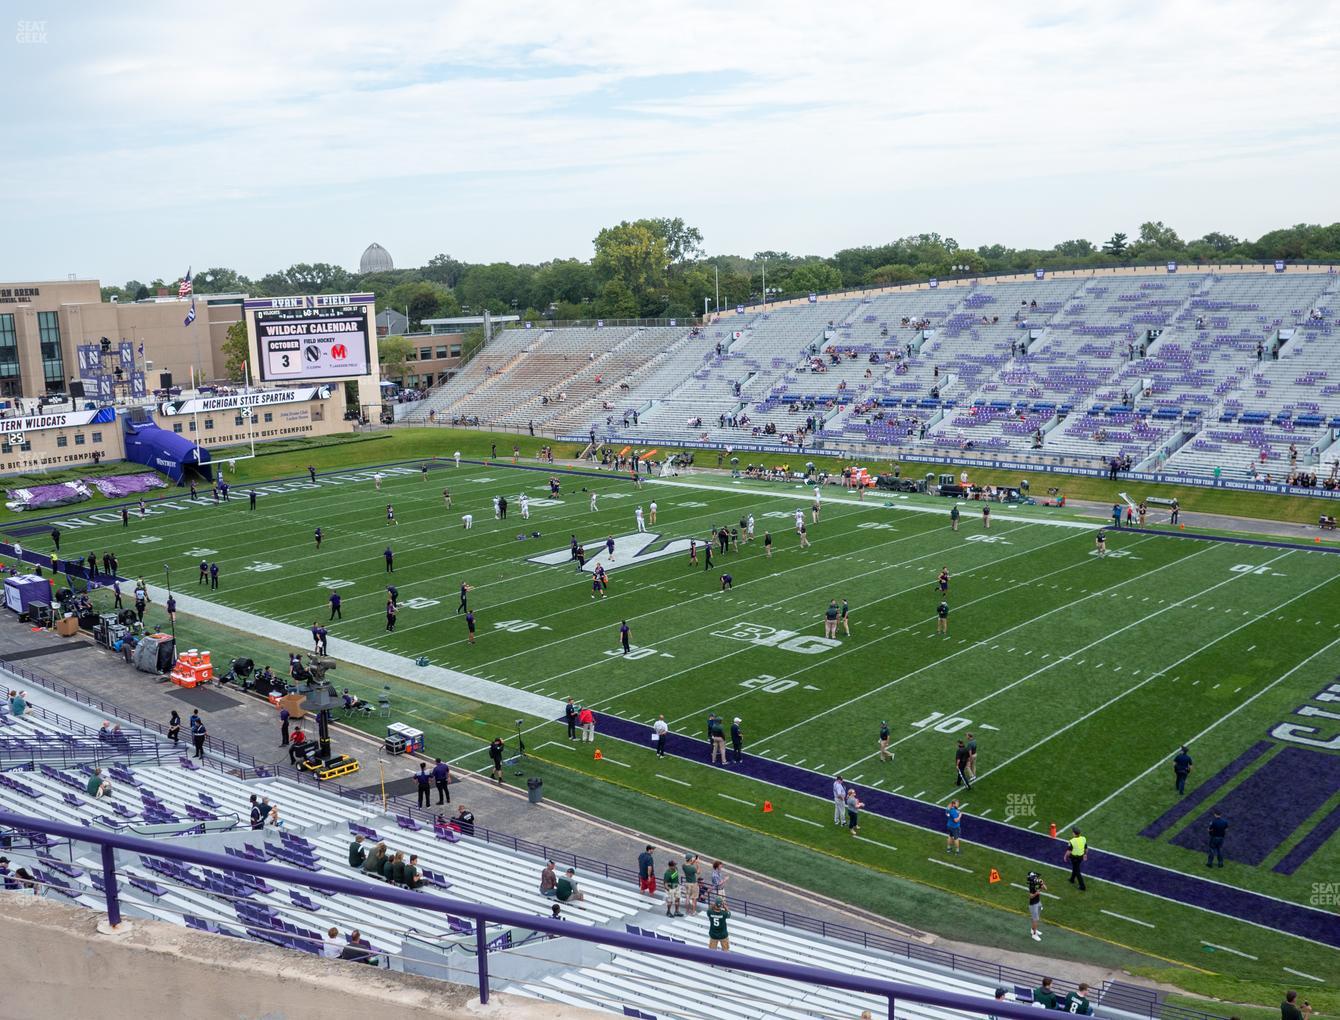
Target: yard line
(946, 864)
(1123, 917)
(981, 814)
(1228, 949)
(555, 743)
(1296, 973)
(1213, 726)
(613, 762)
(738, 800)
(805, 821)
(886, 846)
(1034, 824)
(671, 779)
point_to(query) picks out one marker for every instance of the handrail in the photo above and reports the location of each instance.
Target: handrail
(891, 991)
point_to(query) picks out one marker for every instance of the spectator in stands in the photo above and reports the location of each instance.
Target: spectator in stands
(18, 703)
(717, 880)
(465, 820)
(375, 861)
(257, 815)
(1043, 994)
(567, 890)
(359, 950)
(97, 786)
(330, 944)
(717, 933)
(646, 872)
(174, 727)
(1001, 992)
(548, 881)
(413, 873)
(272, 820)
(357, 852)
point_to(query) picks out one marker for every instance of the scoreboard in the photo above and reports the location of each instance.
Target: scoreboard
(307, 343)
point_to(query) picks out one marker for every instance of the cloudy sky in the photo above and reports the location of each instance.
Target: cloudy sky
(146, 137)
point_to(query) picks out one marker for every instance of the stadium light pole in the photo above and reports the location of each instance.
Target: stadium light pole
(716, 271)
(765, 281)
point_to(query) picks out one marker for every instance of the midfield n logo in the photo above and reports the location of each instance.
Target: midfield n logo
(629, 551)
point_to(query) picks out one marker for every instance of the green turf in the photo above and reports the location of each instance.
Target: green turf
(1079, 676)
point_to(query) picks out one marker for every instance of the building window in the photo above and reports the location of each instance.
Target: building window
(209, 424)
(318, 412)
(97, 437)
(425, 353)
(441, 352)
(455, 350)
(79, 439)
(6, 448)
(269, 416)
(53, 365)
(176, 427)
(9, 348)
(62, 441)
(191, 426)
(237, 420)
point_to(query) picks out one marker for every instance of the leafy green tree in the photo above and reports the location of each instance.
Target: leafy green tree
(1078, 250)
(393, 353)
(221, 280)
(1154, 236)
(682, 242)
(235, 350)
(445, 270)
(317, 278)
(420, 300)
(499, 287)
(813, 276)
(563, 280)
(617, 301)
(634, 255)
(887, 276)
(142, 292)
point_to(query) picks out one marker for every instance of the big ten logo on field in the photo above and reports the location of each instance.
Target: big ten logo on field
(1314, 736)
(774, 637)
(1021, 805)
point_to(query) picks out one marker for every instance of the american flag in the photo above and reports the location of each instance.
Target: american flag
(184, 289)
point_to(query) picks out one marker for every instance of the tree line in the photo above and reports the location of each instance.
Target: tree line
(658, 268)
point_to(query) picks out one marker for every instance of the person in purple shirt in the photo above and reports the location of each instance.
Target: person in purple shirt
(335, 613)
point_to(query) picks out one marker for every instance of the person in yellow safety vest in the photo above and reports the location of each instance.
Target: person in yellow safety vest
(1079, 847)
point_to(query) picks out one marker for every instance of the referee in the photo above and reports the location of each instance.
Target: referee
(1079, 847)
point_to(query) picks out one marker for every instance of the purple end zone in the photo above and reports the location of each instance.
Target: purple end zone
(1309, 844)
(1319, 925)
(1200, 794)
(1269, 805)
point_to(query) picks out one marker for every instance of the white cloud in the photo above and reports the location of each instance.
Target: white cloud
(256, 135)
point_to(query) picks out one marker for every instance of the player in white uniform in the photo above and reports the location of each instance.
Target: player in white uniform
(524, 500)
(800, 520)
(637, 515)
(749, 527)
(652, 508)
(377, 480)
(593, 502)
(468, 520)
(497, 510)
(458, 458)
(818, 503)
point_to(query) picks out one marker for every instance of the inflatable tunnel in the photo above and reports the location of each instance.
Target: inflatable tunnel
(162, 450)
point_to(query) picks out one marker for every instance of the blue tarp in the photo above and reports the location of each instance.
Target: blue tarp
(165, 451)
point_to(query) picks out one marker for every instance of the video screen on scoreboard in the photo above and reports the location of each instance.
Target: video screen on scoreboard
(312, 343)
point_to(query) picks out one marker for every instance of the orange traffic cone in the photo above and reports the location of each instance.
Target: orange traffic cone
(600, 757)
(767, 807)
(1052, 830)
(993, 877)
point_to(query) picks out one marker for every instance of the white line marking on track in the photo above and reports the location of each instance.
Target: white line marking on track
(1123, 917)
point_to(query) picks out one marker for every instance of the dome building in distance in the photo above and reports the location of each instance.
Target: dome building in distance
(376, 259)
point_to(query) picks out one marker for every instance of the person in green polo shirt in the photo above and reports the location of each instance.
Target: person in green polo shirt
(1078, 1001)
(96, 785)
(717, 916)
(671, 880)
(690, 883)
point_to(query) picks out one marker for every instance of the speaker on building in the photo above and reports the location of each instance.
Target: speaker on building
(76, 389)
(165, 380)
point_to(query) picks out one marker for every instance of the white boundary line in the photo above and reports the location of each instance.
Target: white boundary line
(1123, 917)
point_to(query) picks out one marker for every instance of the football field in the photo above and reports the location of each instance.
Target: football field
(1078, 675)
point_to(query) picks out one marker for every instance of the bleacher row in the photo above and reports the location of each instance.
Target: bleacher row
(208, 807)
(1182, 373)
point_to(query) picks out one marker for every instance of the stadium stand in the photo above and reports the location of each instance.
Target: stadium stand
(1193, 374)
